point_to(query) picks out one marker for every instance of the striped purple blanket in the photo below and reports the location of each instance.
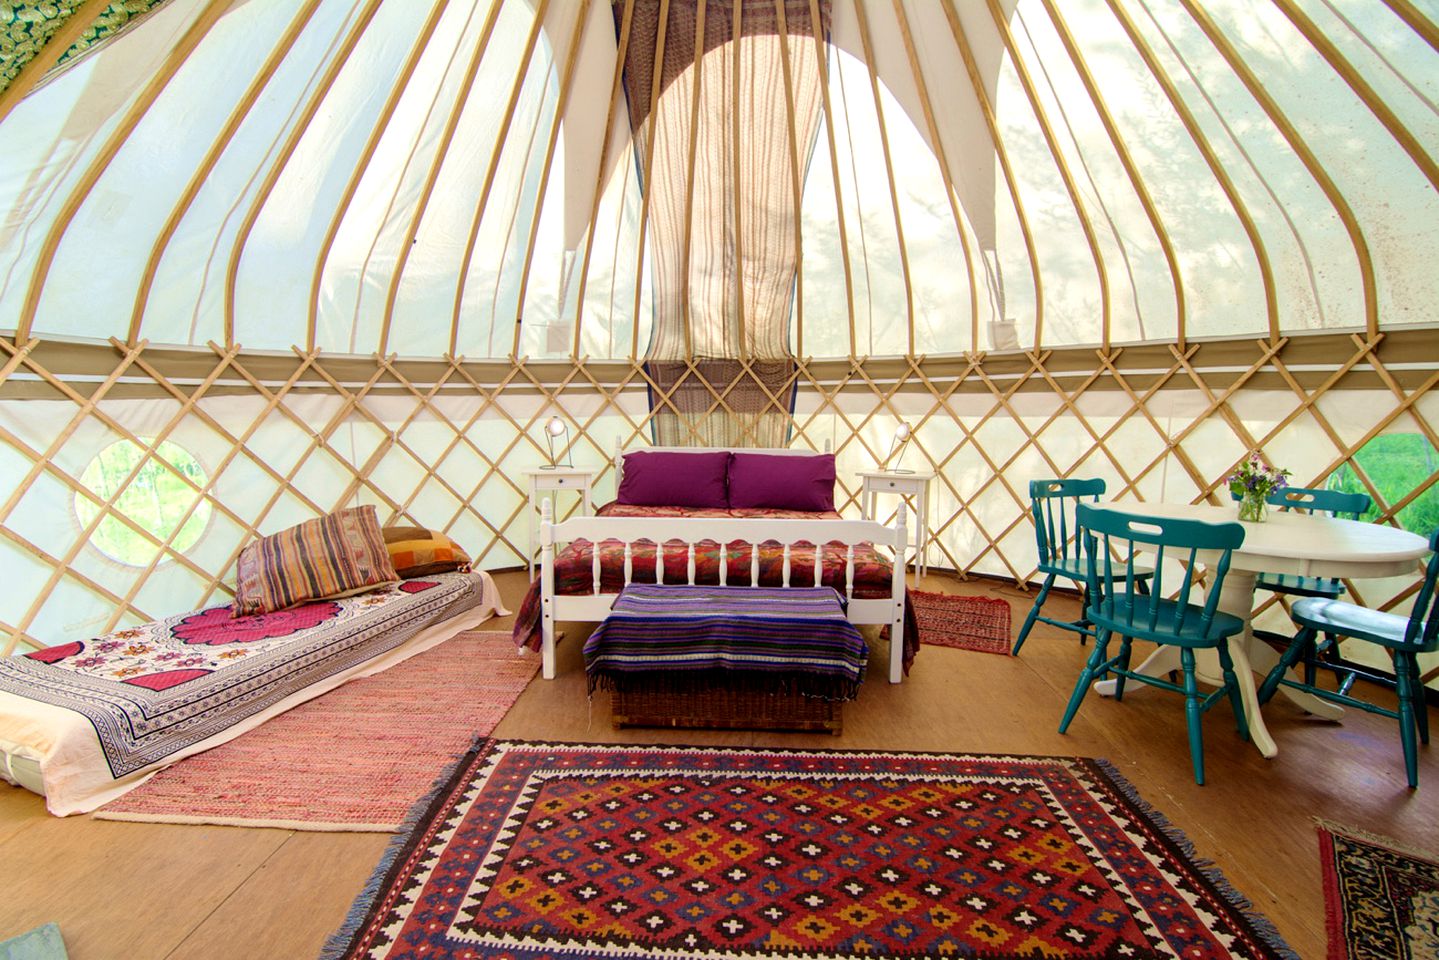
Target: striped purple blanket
(790, 639)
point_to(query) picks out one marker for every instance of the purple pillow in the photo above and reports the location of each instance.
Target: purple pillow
(661, 479)
(761, 480)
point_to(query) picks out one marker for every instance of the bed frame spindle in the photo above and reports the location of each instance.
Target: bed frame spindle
(595, 566)
(786, 565)
(724, 563)
(849, 572)
(754, 564)
(629, 561)
(690, 565)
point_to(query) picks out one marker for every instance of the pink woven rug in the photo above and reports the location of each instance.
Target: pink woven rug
(357, 758)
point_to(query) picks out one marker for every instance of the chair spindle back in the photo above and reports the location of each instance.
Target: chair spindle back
(1113, 540)
(1335, 503)
(1053, 502)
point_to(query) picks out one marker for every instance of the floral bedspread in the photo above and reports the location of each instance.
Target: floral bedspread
(574, 565)
(157, 688)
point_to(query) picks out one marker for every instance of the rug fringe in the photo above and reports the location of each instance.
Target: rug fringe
(1378, 839)
(1263, 927)
(337, 946)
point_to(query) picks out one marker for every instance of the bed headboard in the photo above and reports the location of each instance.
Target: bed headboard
(619, 457)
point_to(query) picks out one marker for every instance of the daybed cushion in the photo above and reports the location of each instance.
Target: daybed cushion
(767, 481)
(337, 555)
(89, 720)
(666, 478)
(418, 552)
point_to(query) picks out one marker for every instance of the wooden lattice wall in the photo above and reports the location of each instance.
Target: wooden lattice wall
(442, 442)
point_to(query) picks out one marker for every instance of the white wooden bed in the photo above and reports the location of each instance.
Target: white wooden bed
(797, 537)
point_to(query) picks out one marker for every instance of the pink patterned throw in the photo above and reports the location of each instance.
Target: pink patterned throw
(356, 758)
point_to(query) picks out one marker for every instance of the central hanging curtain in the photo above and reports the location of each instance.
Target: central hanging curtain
(722, 228)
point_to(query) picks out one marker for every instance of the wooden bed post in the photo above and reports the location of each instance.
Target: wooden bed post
(547, 589)
(896, 592)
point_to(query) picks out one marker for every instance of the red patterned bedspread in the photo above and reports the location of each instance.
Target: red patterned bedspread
(574, 565)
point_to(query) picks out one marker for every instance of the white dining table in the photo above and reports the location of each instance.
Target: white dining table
(1286, 542)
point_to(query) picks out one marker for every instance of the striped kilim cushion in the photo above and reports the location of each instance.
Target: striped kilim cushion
(337, 555)
(417, 552)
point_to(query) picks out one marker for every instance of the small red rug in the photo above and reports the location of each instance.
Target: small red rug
(1381, 901)
(964, 623)
(357, 758)
(584, 850)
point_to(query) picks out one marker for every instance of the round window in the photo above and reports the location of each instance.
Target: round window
(157, 499)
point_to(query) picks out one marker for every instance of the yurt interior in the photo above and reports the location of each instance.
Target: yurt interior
(706, 479)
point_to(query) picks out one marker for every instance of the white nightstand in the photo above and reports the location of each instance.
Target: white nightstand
(553, 480)
(914, 488)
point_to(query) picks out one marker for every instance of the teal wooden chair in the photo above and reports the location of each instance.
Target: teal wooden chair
(1333, 503)
(1405, 637)
(1052, 503)
(1117, 606)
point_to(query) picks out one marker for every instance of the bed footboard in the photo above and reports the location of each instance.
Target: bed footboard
(797, 538)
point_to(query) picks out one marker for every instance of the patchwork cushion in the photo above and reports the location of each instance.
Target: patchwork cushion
(418, 552)
(337, 555)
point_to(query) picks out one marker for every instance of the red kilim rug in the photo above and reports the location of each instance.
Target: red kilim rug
(357, 758)
(1381, 901)
(581, 850)
(965, 623)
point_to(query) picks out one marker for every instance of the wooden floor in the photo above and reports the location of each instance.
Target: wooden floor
(155, 891)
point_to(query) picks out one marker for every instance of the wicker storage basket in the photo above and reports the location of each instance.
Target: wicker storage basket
(721, 707)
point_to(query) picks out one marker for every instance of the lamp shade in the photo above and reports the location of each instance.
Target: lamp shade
(556, 430)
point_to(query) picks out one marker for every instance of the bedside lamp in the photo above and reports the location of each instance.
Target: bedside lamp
(556, 430)
(902, 434)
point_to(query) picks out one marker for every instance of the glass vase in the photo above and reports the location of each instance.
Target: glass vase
(1253, 508)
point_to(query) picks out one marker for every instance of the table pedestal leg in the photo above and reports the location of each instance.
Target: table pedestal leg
(1250, 655)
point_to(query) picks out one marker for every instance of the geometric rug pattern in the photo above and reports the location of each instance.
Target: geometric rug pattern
(1380, 899)
(964, 623)
(540, 849)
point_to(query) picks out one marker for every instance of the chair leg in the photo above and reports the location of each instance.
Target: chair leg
(1407, 724)
(1122, 665)
(1193, 714)
(1086, 677)
(1231, 683)
(1033, 615)
(1301, 642)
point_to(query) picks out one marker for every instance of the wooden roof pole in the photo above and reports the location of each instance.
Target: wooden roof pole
(212, 156)
(397, 90)
(864, 38)
(991, 123)
(174, 60)
(48, 55)
(1211, 159)
(282, 160)
(616, 91)
(501, 135)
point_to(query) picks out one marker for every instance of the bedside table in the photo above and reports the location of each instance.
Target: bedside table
(914, 488)
(553, 481)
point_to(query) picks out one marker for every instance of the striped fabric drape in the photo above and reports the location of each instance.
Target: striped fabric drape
(720, 155)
